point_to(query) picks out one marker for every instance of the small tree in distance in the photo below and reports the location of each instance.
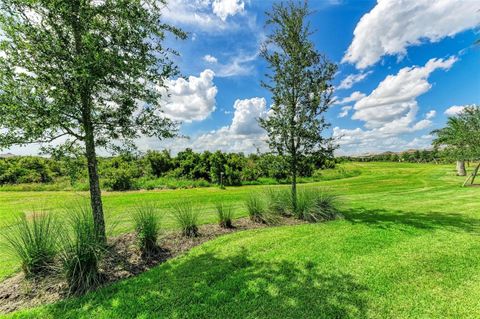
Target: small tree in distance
(300, 85)
(89, 70)
(461, 138)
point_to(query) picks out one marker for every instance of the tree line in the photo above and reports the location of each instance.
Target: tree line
(126, 171)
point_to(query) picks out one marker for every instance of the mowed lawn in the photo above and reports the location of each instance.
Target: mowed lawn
(408, 247)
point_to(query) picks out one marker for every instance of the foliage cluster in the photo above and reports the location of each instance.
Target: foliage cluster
(156, 169)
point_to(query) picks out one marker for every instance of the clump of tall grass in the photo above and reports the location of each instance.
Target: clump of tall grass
(279, 201)
(225, 215)
(259, 211)
(314, 205)
(187, 218)
(81, 252)
(34, 241)
(147, 223)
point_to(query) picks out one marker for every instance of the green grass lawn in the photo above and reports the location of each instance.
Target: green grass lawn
(408, 247)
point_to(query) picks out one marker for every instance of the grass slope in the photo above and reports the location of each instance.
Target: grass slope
(408, 248)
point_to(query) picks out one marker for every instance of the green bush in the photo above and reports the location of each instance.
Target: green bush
(81, 252)
(146, 222)
(225, 216)
(34, 242)
(314, 205)
(120, 179)
(186, 218)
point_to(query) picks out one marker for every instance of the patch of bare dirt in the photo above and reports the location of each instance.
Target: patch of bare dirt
(122, 260)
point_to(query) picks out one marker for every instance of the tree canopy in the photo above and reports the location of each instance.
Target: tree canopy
(299, 81)
(90, 71)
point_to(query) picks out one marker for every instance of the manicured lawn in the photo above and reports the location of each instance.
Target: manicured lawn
(409, 247)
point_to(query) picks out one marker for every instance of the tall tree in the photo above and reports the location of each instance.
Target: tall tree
(299, 80)
(91, 71)
(461, 137)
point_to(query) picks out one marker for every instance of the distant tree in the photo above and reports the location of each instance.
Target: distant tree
(90, 70)
(461, 137)
(453, 137)
(299, 81)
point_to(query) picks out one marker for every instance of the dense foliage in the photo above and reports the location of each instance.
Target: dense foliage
(150, 170)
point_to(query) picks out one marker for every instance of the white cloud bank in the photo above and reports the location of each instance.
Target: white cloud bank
(392, 26)
(391, 109)
(243, 134)
(192, 99)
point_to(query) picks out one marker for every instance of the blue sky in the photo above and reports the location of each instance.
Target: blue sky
(410, 63)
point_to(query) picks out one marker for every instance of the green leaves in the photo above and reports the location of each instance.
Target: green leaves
(299, 81)
(461, 135)
(63, 57)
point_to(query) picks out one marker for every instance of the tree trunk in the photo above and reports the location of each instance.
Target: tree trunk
(95, 193)
(461, 168)
(294, 184)
(475, 173)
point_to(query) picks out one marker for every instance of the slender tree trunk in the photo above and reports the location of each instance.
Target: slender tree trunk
(461, 168)
(294, 183)
(475, 173)
(95, 193)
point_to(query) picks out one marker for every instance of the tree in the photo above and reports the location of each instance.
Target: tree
(299, 81)
(461, 137)
(90, 71)
(453, 136)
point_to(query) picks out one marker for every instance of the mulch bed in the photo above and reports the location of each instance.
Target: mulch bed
(122, 260)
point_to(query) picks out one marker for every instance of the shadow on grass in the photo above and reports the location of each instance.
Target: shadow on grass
(386, 218)
(206, 286)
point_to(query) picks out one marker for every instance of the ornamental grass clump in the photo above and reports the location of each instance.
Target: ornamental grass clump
(81, 252)
(187, 218)
(147, 227)
(34, 241)
(315, 205)
(259, 211)
(225, 215)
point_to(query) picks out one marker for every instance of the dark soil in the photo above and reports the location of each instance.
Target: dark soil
(122, 260)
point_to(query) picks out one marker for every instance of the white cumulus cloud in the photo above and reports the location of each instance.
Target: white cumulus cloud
(345, 110)
(392, 25)
(191, 99)
(225, 8)
(355, 96)
(210, 58)
(454, 110)
(431, 114)
(391, 109)
(352, 79)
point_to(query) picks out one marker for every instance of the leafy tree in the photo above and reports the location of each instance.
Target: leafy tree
(91, 70)
(453, 136)
(299, 81)
(461, 137)
(159, 162)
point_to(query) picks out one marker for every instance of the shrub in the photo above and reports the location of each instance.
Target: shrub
(147, 227)
(81, 252)
(120, 179)
(225, 215)
(315, 205)
(186, 218)
(34, 242)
